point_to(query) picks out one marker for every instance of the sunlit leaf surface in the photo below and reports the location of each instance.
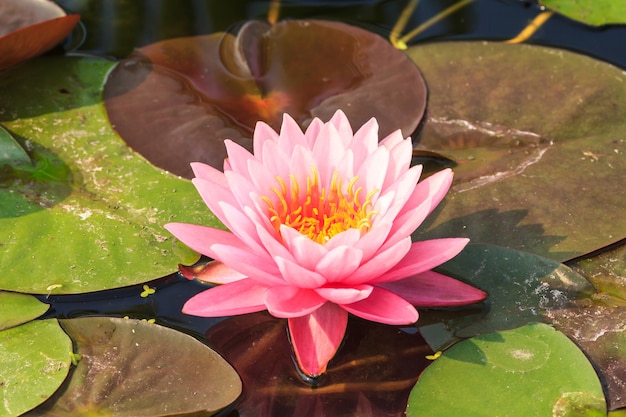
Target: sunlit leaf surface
(370, 376)
(177, 100)
(136, 369)
(592, 12)
(29, 28)
(18, 308)
(34, 361)
(530, 371)
(87, 213)
(538, 137)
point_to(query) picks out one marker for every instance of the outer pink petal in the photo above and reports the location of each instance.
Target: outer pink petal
(379, 264)
(290, 135)
(207, 172)
(298, 276)
(213, 194)
(423, 256)
(214, 272)
(258, 268)
(316, 337)
(313, 131)
(202, 238)
(365, 141)
(342, 124)
(239, 297)
(287, 302)
(431, 289)
(343, 295)
(238, 157)
(383, 306)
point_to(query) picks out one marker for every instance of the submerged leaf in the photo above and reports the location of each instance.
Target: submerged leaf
(529, 371)
(137, 369)
(538, 136)
(177, 100)
(34, 361)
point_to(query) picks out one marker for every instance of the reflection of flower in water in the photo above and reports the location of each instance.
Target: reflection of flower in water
(321, 225)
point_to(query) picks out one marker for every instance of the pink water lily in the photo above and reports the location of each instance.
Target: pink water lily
(320, 226)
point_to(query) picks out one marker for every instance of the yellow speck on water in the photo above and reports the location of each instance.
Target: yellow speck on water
(147, 291)
(434, 356)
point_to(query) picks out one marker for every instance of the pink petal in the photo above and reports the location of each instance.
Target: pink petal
(207, 172)
(290, 134)
(298, 276)
(256, 267)
(202, 238)
(275, 159)
(305, 251)
(365, 141)
(423, 256)
(243, 227)
(339, 263)
(262, 133)
(287, 301)
(383, 306)
(431, 289)
(342, 124)
(348, 237)
(379, 264)
(239, 297)
(401, 155)
(238, 157)
(372, 172)
(212, 194)
(213, 272)
(345, 295)
(316, 337)
(313, 131)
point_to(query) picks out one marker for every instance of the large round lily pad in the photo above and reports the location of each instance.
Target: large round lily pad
(86, 213)
(529, 371)
(34, 361)
(176, 101)
(538, 137)
(131, 368)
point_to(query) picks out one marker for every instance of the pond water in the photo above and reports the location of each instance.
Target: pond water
(113, 28)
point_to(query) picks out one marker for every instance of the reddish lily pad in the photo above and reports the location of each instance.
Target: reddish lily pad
(538, 136)
(137, 369)
(370, 376)
(177, 100)
(29, 28)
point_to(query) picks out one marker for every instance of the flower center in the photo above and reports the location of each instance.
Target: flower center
(319, 213)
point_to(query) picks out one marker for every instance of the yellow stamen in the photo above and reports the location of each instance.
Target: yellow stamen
(320, 213)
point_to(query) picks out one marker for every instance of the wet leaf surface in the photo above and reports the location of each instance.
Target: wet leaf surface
(537, 134)
(16, 309)
(522, 288)
(370, 376)
(31, 371)
(529, 371)
(87, 213)
(176, 101)
(29, 28)
(134, 368)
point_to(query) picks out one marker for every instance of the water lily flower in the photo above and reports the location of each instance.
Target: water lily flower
(320, 224)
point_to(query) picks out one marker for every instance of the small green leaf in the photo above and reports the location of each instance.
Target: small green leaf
(16, 309)
(11, 152)
(533, 370)
(33, 364)
(592, 12)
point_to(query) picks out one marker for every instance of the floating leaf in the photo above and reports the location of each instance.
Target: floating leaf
(88, 213)
(522, 288)
(370, 376)
(176, 101)
(530, 371)
(11, 152)
(29, 28)
(592, 12)
(538, 137)
(136, 369)
(34, 361)
(16, 309)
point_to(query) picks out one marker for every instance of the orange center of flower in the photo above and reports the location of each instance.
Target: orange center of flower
(320, 213)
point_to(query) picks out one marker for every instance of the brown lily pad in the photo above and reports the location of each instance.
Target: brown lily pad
(176, 101)
(30, 27)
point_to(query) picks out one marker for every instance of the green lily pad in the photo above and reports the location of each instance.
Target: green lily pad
(34, 361)
(137, 369)
(537, 136)
(592, 12)
(11, 152)
(16, 309)
(88, 213)
(530, 371)
(522, 288)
